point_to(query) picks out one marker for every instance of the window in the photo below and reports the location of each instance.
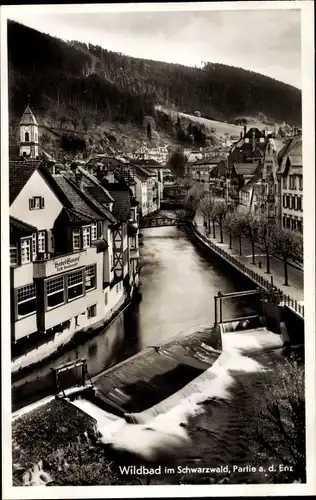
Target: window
(26, 300)
(99, 229)
(27, 137)
(90, 277)
(13, 254)
(76, 239)
(94, 231)
(92, 311)
(284, 183)
(262, 139)
(247, 140)
(41, 240)
(86, 237)
(36, 203)
(55, 291)
(34, 246)
(106, 299)
(75, 284)
(293, 224)
(300, 182)
(299, 204)
(25, 251)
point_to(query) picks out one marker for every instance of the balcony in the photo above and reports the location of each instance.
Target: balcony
(68, 262)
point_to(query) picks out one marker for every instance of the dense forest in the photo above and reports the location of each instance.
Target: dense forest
(85, 83)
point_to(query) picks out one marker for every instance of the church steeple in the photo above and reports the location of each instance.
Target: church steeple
(28, 134)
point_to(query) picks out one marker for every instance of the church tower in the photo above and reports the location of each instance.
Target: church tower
(28, 134)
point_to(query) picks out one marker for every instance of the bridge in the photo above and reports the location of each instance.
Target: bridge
(162, 222)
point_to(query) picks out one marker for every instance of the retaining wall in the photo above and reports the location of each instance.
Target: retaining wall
(293, 312)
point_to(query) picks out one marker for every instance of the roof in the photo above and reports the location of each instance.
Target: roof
(28, 118)
(122, 203)
(77, 200)
(142, 173)
(292, 149)
(70, 215)
(245, 168)
(19, 173)
(87, 193)
(19, 229)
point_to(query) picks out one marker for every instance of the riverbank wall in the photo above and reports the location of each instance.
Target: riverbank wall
(292, 315)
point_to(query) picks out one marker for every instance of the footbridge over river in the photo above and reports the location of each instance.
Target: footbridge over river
(176, 219)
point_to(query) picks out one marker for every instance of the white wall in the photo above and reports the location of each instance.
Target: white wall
(43, 218)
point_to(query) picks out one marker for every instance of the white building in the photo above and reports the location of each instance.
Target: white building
(28, 134)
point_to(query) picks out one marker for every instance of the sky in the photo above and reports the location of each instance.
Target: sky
(265, 41)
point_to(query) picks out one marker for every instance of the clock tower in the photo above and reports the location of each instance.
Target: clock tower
(28, 135)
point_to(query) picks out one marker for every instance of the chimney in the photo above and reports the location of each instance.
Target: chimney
(78, 178)
(253, 140)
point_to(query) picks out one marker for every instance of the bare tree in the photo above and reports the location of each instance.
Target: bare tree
(288, 244)
(206, 205)
(266, 230)
(251, 231)
(220, 210)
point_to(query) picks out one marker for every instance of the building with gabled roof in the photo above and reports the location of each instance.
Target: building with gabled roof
(63, 278)
(290, 179)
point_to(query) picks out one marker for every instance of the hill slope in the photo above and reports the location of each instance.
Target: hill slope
(84, 84)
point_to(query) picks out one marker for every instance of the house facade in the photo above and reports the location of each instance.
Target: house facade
(290, 176)
(67, 266)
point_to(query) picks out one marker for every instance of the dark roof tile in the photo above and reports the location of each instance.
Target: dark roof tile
(19, 173)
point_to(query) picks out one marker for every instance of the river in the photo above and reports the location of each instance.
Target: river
(178, 286)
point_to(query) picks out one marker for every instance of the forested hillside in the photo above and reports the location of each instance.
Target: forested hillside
(85, 84)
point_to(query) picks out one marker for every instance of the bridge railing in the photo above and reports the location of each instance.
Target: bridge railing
(257, 278)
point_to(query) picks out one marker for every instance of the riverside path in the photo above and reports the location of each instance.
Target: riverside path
(295, 289)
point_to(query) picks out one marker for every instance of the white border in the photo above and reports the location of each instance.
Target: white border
(307, 30)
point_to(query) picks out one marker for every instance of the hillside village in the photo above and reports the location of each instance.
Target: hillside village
(82, 217)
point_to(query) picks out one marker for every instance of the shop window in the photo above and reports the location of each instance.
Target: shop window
(90, 278)
(13, 254)
(75, 284)
(55, 291)
(76, 239)
(92, 311)
(26, 300)
(25, 251)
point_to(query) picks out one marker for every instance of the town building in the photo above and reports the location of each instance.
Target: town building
(64, 275)
(290, 176)
(28, 135)
(248, 149)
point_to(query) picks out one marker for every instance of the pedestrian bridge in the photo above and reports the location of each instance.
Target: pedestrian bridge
(162, 222)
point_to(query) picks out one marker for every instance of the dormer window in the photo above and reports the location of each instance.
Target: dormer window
(36, 203)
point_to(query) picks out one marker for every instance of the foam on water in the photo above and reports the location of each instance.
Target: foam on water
(165, 435)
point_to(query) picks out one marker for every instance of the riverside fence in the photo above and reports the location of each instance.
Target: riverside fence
(255, 277)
